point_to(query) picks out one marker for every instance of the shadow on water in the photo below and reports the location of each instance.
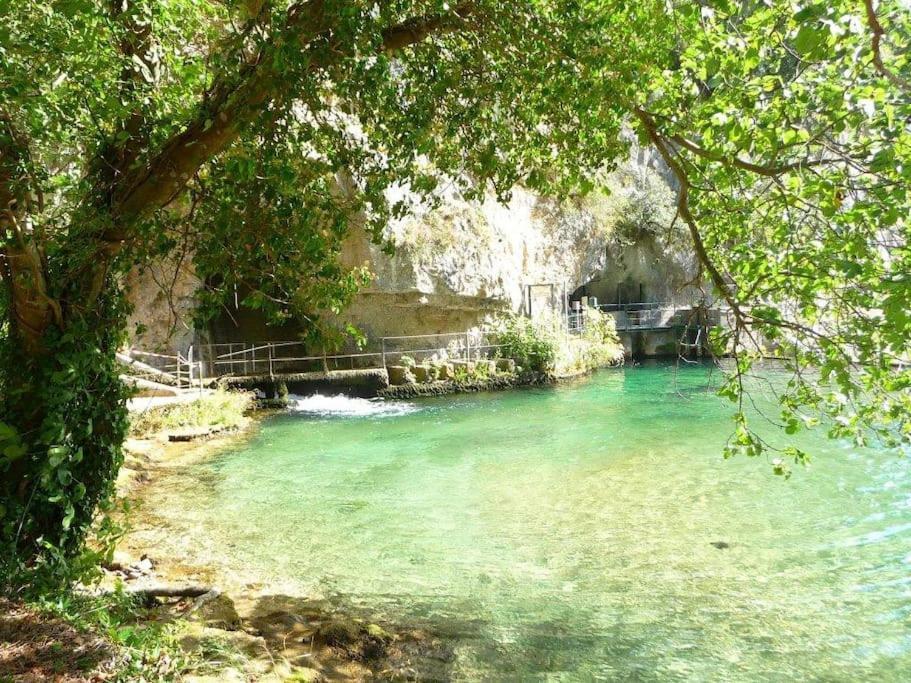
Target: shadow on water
(346, 643)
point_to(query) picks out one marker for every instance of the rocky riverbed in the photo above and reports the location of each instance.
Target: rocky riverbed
(250, 630)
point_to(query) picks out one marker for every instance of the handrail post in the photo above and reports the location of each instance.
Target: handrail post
(190, 364)
(384, 352)
(271, 372)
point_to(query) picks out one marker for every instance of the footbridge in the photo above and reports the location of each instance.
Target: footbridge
(655, 328)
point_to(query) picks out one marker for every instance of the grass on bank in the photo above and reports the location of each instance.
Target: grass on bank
(69, 636)
(220, 408)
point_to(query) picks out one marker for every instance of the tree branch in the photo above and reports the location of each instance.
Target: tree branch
(683, 209)
(767, 170)
(236, 103)
(417, 29)
(875, 46)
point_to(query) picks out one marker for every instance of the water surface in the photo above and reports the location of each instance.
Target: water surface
(590, 531)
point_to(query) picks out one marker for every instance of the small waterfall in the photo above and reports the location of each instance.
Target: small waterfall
(346, 406)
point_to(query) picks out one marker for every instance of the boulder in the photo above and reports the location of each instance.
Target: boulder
(423, 373)
(219, 612)
(445, 371)
(399, 374)
(506, 365)
(340, 632)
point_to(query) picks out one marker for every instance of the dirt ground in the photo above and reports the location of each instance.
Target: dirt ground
(36, 648)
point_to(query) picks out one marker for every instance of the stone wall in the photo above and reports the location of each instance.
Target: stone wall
(163, 300)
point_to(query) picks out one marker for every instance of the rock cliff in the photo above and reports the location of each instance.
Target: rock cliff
(460, 264)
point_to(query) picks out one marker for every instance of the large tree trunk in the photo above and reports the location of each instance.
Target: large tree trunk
(66, 403)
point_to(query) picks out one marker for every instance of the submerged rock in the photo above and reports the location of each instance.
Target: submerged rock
(721, 545)
(219, 612)
(339, 632)
(359, 641)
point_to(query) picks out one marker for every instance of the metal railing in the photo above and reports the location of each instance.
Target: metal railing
(632, 306)
(271, 358)
(640, 316)
(637, 315)
(171, 369)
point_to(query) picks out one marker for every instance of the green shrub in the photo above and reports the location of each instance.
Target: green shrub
(532, 344)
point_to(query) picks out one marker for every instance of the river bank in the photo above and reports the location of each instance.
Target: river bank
(269, 631)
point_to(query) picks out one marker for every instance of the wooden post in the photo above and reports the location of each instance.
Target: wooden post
(384, 351)
(564, 305)
(271, 373)
(190, 364)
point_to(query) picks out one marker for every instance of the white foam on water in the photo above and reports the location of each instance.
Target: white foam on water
(346, 406)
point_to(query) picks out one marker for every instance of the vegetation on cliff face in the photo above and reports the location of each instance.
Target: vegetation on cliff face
(784, 124)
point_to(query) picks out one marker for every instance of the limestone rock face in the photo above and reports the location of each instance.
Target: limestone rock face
(164, 298)
(459, 265)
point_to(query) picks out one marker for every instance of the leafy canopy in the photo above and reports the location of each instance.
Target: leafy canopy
(258, 131)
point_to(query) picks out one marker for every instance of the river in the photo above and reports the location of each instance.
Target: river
(587, 531)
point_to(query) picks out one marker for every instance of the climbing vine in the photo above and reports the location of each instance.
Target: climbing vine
(64, 425)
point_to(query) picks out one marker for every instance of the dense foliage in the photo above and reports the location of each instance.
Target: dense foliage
(531, 344)
(250, 136)
(786, 126)
(544, 345)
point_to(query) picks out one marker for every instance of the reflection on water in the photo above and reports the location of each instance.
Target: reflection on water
(588, 531)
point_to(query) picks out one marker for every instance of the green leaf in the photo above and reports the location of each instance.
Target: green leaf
(810, 39)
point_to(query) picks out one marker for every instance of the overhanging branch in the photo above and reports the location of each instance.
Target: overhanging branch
(236, 102)
(876, 46)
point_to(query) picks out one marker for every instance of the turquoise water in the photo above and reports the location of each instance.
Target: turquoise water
(572, 533)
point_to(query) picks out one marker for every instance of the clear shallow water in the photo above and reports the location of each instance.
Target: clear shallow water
(567, 533)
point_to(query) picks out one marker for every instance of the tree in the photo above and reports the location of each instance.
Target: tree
(261, 127)
(786, 126)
